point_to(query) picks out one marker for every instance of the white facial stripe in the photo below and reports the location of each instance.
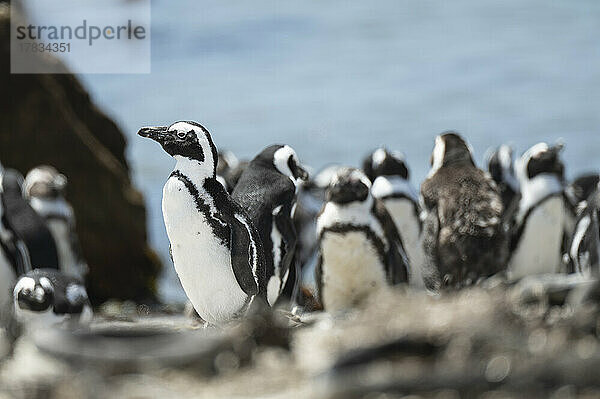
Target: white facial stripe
(378, 157)
(521, 164)
(280, 160)
(359, 175)
(24, 283)
(439, 150)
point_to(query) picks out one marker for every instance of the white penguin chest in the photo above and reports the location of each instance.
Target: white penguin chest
(539, 248)
(351, 269)
(201, 260)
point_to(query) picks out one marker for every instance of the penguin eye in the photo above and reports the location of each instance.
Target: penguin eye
(181, 135)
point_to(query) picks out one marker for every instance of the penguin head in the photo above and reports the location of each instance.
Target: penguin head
(541, 159)
(382, 162)
(33, 294)
(284, 159)
(500, 166)
(44, 182)
(348, 185)
(582, 187)
(450, 149)
(185, 140)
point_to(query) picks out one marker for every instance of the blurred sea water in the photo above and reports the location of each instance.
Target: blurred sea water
(336, 79)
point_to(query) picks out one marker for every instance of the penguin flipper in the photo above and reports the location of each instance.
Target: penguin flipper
(285, 225)
(397, 260)
(243, 256)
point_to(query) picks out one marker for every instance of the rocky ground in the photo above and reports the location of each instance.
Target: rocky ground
(538, 338)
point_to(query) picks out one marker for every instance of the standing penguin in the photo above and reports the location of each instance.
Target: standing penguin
(50, 296)
(501, 167)
(360, 249)
(390, 176)
(32, 237)
(44, 187)
(216, 250)
(541, 223)
(584, 247)
(266, 190)
(462, 233)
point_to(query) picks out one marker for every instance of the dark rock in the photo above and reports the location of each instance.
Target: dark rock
(50, 119)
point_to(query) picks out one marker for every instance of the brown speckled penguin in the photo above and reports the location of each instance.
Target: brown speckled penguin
(463, 234)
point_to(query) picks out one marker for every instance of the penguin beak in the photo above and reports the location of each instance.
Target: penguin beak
(156, 133)
(300, 173)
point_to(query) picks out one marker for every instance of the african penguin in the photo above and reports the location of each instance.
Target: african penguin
(463, 237)
(360, 249)
(216, 251)
(44, 187)
(584, 248)
(545, 217)
(390, 177)
(309, 201)
(541, 223)
(31, 234)
(500, 165)
(50, 296)
(267, 192)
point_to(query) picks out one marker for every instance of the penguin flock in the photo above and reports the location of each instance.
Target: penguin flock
(265, 232)
(42, 269)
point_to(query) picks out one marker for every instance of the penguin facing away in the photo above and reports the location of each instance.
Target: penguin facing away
(360, 249)
(390, 176)
(216, 251)
(584, 248)
(463, 237)
(541, 222)
(44, 187)
(50, 296)
(266, 190)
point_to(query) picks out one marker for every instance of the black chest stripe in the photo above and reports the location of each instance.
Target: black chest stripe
(217, 226)
(340, 228)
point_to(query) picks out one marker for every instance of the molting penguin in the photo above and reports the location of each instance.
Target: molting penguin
(584, 247)
(50, 296)
(215, 248)
(390, 176)
(501, 167)
(267, 192)
(360, 249)
(462, 232)
(45, 188)
(542, 221)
